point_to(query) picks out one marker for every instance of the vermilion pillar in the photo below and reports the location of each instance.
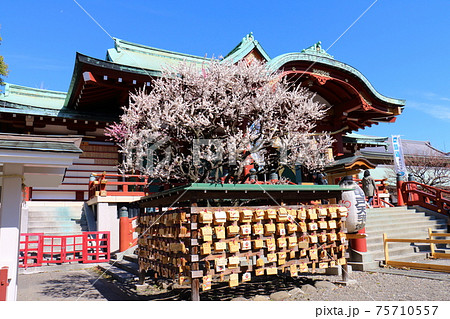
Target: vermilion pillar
(400, 201)
(124, 242)
(359, 244)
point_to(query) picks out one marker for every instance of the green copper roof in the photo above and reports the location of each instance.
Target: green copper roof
(43, 143)
(365, 139)
(244, 47)
(44, 99)
(145, 57)
(30, 101)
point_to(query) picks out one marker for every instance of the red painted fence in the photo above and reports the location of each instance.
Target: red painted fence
(89, 247)
(3, 283)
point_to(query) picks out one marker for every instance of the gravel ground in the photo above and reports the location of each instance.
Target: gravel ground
(384, 285)
(400, 285)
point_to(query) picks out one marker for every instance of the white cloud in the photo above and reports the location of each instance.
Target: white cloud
(438, 110)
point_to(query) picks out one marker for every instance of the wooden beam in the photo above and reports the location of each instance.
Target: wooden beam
(420, 266)
(356, 236)
(439, 234)
(422, 241)
(441, 255)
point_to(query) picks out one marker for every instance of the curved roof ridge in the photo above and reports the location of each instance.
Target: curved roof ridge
(277, 62)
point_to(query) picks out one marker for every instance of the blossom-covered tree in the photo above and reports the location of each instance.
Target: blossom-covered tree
(200, 124)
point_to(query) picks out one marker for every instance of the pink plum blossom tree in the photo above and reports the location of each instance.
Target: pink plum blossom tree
(200, 124)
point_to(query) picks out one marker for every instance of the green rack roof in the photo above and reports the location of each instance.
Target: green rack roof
(276, 194)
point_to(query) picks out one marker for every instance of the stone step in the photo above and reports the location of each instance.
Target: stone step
(126, 265)
(66, 214)
(412, 233)
(52, 218)
(389, 209)
(132, 258)
(57, 218)
(61, 223)
(394, 252)
(364, 266)
(46, 229)
(377, 243)
(399, 217)
(398, 222)
(407, 224)
(396, 216)
(117, 273)
(406, 258)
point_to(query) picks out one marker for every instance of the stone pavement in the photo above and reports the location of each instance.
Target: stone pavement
(67, 282)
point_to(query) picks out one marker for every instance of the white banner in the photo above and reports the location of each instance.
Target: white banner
(399, 161)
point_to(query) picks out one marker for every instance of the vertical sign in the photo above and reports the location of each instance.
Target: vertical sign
(399, 161)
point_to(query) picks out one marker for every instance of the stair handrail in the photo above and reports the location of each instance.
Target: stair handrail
(429, 197)
(413, 265)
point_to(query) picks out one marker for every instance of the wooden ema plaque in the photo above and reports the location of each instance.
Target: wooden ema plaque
(235, 243)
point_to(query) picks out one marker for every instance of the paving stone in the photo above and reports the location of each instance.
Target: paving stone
(279, 296)
(308, 289)
(296, 291)
(324, 285)
(261, 298)
(239, 299)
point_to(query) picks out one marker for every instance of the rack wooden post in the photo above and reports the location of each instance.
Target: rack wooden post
(194, 251)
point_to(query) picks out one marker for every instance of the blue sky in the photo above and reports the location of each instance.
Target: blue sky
(400, 46)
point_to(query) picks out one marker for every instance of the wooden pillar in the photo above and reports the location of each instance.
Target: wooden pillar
(195, 282)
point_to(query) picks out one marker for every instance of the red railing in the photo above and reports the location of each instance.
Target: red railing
(131, 185)
(3, 283)
(429, 197)
(89, 247)
(381, 188)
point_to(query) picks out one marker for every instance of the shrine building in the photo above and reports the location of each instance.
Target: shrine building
(100, 87)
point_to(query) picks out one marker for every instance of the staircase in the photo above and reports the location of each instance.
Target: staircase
(55, 218)
(124, 270)
(396, 222)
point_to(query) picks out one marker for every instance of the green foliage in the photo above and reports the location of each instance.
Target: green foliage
(3, 67)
